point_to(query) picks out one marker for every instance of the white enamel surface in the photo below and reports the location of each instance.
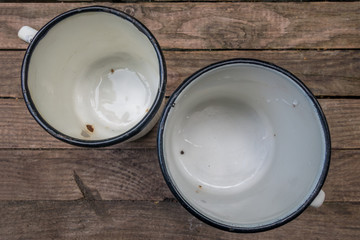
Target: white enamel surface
(319, 200)
(27, 33)
(93, 69)
(244, 145)
(150, 125)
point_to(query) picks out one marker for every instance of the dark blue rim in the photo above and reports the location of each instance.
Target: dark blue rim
(94, 143)
(177, 193)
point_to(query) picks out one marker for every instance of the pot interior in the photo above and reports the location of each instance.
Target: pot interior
(243, 145)
(93, 75)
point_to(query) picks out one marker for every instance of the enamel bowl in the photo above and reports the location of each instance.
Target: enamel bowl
(244, 145)
(94, 76)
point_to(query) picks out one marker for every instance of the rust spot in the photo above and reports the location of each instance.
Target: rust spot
(147, 110)
(182, 152)
(200, 186)
(90, 127)
(112, 70)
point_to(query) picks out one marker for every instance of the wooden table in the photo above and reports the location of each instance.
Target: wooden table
(51, 190)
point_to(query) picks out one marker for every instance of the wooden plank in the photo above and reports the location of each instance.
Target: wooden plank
(125, 175)
(343, 117)
(180, 0)
(19, 130)
(164, 220)
(329, 73)
(342, 182)
(62, 174)
(217, 25)
(10, 73)
(61, 1)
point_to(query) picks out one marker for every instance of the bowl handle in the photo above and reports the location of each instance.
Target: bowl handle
(27, 33)
(318, 201)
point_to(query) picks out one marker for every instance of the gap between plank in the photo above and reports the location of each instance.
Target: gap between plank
(165, 200)
(226, 49)
(159, 1)
(75, 148)
(167, 97)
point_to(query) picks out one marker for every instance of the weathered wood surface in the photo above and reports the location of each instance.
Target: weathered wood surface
(326, 73)
(19, 130)
(344, 122)
(152, 220)
(117, 1)
(60, 174)
(218, 25)
(116, 174)
(52, 190)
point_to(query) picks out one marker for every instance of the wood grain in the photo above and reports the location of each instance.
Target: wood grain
(326, 73)
(107, 174)
(217, 25)
(52, 190)
(125, 175)
(62, 1)
(344, 121)
(342, 182)
(329, 73)
(19, 130)
(152, 220)
(10, 73)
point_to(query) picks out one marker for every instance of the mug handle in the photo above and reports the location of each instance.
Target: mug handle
(318, 201)
(27, 33)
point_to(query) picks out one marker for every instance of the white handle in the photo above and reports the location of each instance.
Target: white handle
(318, 201)
(27, 33)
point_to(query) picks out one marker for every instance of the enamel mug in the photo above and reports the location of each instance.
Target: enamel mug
(244, 146)
(93, 76)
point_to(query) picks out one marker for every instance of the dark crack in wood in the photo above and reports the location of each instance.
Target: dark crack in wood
(93, 198)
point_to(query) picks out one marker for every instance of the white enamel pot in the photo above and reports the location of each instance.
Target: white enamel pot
(244, 146)
(93, 76)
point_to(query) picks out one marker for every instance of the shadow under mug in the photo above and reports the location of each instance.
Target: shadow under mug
(244, 146)
(93, 76)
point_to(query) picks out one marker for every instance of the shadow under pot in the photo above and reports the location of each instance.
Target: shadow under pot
(244, 146)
